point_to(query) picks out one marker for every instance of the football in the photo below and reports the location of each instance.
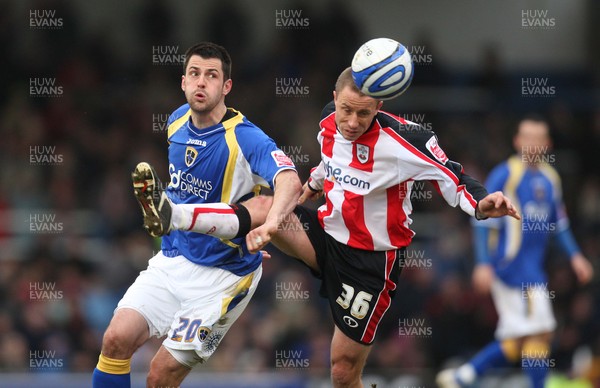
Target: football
(382, 68)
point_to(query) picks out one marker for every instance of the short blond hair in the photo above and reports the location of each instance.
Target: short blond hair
(345, 80)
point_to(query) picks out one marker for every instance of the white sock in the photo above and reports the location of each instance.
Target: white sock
(215, 219)
(466, 374)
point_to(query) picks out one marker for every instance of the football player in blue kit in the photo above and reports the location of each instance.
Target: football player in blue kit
(198, 285)
(510, 261)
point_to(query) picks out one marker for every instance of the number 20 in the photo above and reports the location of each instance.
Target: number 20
(360, 307)
(191, 329)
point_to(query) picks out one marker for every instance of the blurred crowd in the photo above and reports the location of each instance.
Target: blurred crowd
(110, 114)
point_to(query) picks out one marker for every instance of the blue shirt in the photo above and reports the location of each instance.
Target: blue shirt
(516, 249)
(227, 162)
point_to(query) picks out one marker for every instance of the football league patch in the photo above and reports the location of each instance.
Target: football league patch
(281, 159)
(436, 150)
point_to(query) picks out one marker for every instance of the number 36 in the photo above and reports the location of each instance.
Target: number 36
(360, 306)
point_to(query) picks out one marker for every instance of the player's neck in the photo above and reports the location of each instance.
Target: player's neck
(203, 120)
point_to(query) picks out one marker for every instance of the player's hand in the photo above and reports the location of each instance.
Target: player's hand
(307, 193)
(497, 205)
(483, 277)
(259, 237)
(265, 255)
(582, 267)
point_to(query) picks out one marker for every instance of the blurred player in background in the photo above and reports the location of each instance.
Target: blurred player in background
(197, 285)
(510, 261)
(354, 243)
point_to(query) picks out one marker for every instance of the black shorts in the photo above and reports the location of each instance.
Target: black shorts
(359, 284)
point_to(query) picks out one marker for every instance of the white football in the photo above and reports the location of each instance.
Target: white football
(382, 68)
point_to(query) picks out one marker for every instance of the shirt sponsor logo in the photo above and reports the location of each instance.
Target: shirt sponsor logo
(187, 182)
(335, 174)
(436, 150)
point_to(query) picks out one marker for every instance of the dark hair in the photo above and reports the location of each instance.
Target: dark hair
(535, 117)
(210, 50)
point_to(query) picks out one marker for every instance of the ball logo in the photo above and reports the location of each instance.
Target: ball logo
(388, 79)
(350, 321)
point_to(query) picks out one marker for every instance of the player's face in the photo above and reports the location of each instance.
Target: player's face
(203, 83)
(354, 112)
(532, 139)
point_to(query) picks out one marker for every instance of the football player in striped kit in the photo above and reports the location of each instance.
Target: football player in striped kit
(197, 286)
(355, 241)
(510, 261)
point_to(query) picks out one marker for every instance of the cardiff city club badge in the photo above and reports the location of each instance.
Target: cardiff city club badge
(203, 332)
(362, 153)
(190, 156)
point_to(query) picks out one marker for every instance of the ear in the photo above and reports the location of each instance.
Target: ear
(517, 143)
(379, 104)
(334, 96)
(183, 83)
(227, 86)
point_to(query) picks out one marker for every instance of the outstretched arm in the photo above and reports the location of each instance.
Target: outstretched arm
(285, 198)
(496, 205)
(581, 266)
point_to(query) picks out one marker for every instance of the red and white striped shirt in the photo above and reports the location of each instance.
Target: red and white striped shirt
(368, 182)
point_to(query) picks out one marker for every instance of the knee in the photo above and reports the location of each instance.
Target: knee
(537, 347)
(345, 372)
(165, 375)
(153, 379)
(155, 375)
(259, 202)
(116, 344)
